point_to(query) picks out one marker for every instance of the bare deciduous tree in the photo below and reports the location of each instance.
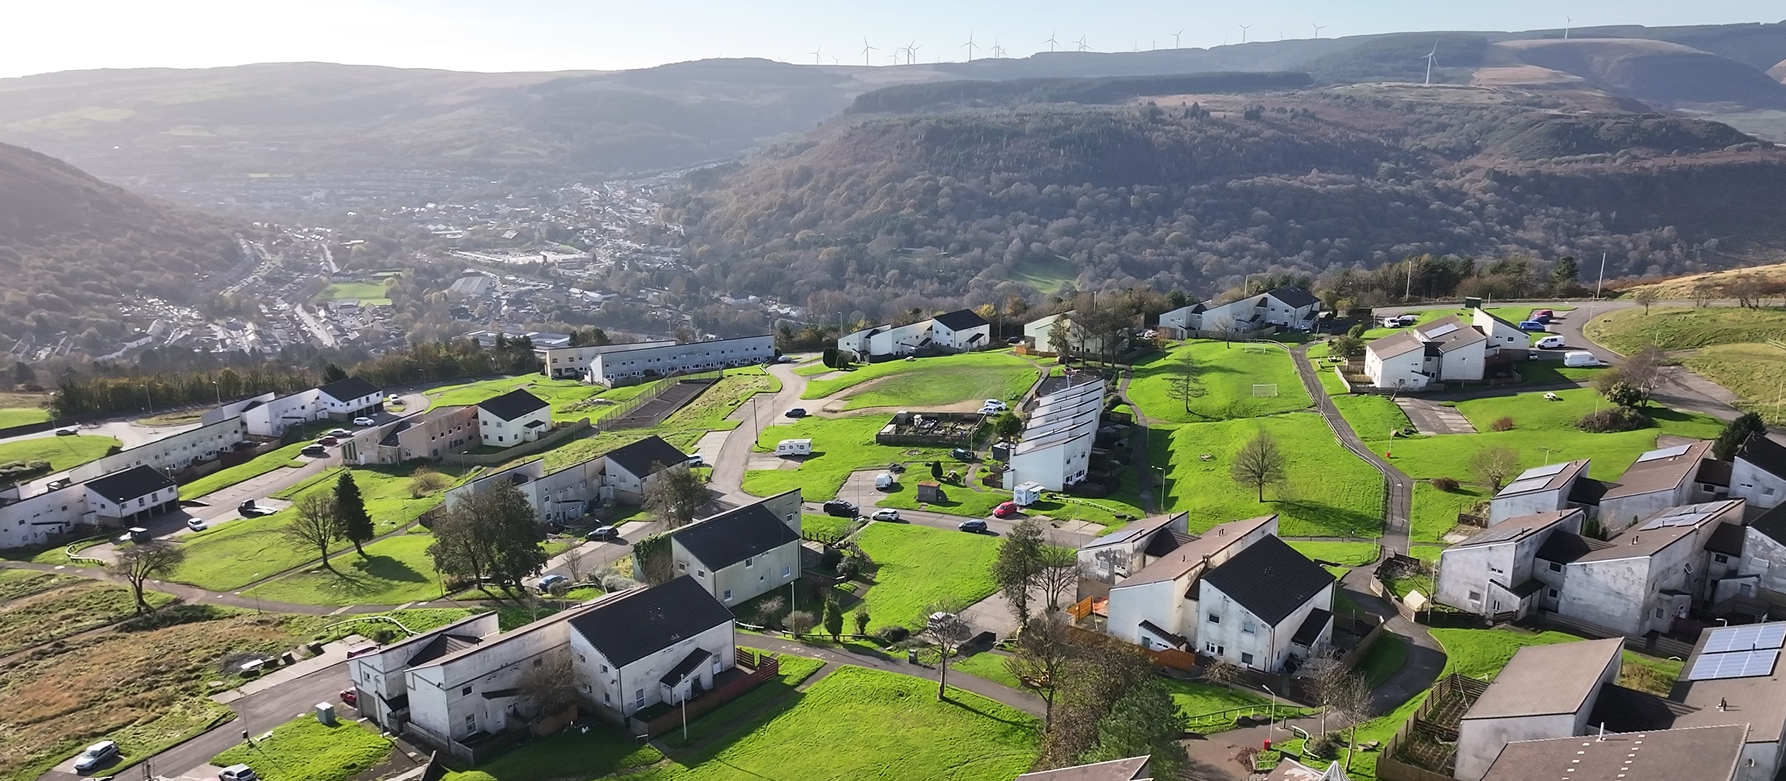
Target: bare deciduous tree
(675, 495)
(1645, 296)
(1182, 379)
(1059, 575)
(1259, 463)
(800, 622)
(313, 525)
(549, 684)
(573, 564)
(1493, 465)
(1645, 370)
(947, 632)
(143, 561)
(1041, 654)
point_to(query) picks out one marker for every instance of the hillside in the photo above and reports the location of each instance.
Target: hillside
(72, 248)
(1659, 73)
(890, 212)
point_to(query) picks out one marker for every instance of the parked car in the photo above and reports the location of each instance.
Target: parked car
(886, 514)
(196, 525)
(961, 454)
(1550, 343)
(1531, 325)
(602, 533)
(237, 773)
(1543, 315)
(1579, 358)
(796, 412)
(96, 756)
(134, 534)
(910, 358)
(328, 441)
(350, 696)
(840, 508)
(364, 421)
(314, 451)
(393, 399)
(995, 404)
(975, 526)
(67, 432)
(1015, 340)
(546, 583)
(1006, 510)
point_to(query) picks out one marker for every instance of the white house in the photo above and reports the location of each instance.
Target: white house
(513, 418)
(1501, 334)
(349, 398)
(631, 467)
(470, 692)
(962, 330)
(1545, 691)
(660, 644)
(1653, 573)
(572, 363)
(559, 496)
(1762, 564)
(1396, 361)
(1156, 606)
(742, 553)
(631, 366)
(1056, 446)
(1128, 550)
(1454, 350)
(1659, 479)
(170, 454)
(378, 679)
(1287, 307)
(37, 520)
(1448, 349)
(137, 493)
(1758, 473)
(1540, 489)
(1263, 605)
(1079, 340)
(1492, 572)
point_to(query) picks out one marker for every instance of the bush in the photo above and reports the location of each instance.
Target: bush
(1613, 419)
(1446, 484)
(849, 567)
(894, 634)
(1501, 424)
(830, 558)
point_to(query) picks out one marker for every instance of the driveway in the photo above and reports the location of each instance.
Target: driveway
(1430, 417)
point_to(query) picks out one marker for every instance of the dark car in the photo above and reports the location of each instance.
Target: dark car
(840, 508)
(97, 755)
(602, 533)
(1014, 340)
(796, 412)
(246, 508)
(962, 454)
(315, 451)
(976, 526)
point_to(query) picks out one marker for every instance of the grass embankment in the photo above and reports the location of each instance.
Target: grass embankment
(1742, 350)
(1328, 491)
(570, 399)
(1345, 554)
(1046, 275)
(839, 446)
(916, 567)
(1007, 378)
(1481, 653)
(393, 571)
(709, 410)
(38, 607)
(18, 409)
(61, 452)
(245, 471)
(1225, 373)
(1756, 373)
(307, 750)
(956, 367)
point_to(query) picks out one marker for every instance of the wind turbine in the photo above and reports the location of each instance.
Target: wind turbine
(1082, 45)
(1431, 58)
(998, 52)
(911, 53)
(970, 46)
(866, 49)
(1318, 28)
(1243, 29)
(836, 60)
(1568, 21)
(1051, 42)
(815, 56)
(1175, 42)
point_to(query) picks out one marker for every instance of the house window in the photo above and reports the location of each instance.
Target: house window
(607, 698)
(471, 723)
(604, 668)
(1555, 567)
(1214, 619)
(787, 571)
(1247, 626)
(1475, 596)
(1721, 558)
(639, 699)
(465, 692)
(700, 573)
(1658, 612)
(1246, 659)
(1553, 593)
(747, 563)
(728, 596)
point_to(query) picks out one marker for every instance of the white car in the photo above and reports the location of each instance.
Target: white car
(1550, 343)
(888, 514)
(364, 421)
(995, 405)
(196, 525)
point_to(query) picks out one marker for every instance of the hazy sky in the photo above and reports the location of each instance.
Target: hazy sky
(38, 36)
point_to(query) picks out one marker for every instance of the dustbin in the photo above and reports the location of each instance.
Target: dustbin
(911, 656)
(325, 713)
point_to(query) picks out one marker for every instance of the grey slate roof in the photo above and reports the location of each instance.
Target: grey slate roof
(514, 404)
(731, 537)
(349, 389)
(137, 481)
(1768, 455)
(637, 458)
(960, 320)
(644, 621)
(1294, 297)
(1270, 579)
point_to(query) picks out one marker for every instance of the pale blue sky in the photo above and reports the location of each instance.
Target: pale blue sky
(508, 35)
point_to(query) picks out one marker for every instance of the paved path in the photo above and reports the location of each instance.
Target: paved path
(763, 409)
(1023, 701)
(1145, 478)
(1399, 488)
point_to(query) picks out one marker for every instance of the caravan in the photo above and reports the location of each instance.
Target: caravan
(794, 447)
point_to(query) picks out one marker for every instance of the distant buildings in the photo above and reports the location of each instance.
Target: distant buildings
(116, 500)
(951, 332)
(572, 363)
(568, 493)
(634, 366)
(1285, 307)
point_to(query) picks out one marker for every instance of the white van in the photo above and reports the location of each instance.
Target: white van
(885, 481)
(1580, 358)
(794, 447)
(1552, 342)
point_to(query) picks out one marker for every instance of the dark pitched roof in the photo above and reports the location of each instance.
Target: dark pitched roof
(1160, 632)
(1270, 579)
(1713, 473)
(1588, 491)
(439, 646)
(1726, 539)
(1708, 754)
(1167, 541)
(1764, 453)
(689, 665)
(137, 481)
(1564, 547)
(349, 389)
(1294, 297)
(1630, 710)
(638, 457)
(513, 404)
(643, 621)
(1310, 631)
(733, 536)
(960, 320)
(1772, 524)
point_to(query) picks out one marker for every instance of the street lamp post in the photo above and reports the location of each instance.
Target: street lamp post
(1271, 721)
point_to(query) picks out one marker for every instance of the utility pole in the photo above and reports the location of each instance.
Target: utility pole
(1602, 277)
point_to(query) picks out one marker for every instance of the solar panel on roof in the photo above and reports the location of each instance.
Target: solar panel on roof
(1667, 452)
(1741, 664)
(1441, 330)
(1745, 638)
(1521, 486)
(1496, 535)
(1544, 471)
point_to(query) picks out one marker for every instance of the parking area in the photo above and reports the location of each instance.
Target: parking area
(1431, 417)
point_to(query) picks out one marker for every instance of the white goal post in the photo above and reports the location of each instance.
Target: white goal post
(1265, 390)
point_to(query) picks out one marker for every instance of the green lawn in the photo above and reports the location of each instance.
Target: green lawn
(709, 410)
(949, 366)
(570, 399)
(1481, 653)
(968, 502)
(1046, 275)
(824, 525)
(304, 749)
(358, 290)
(61, 452)
(862, 725)
(1384, 659)
(1324, 370)
(1372, 417)
(943, 385)
(839, 446)
(394, 571)
(1348, 554)
(20, 416)
(234, 554)
(1328, 491)
(1226, 375)
(1754, 372)
(1675, 328)
(917, 566)
(248, 470)
(1197, 699)
(598, 753)
(794, 671)
(990, 666)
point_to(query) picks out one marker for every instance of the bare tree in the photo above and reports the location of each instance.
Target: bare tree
(676, 495)
(1703, 292)
(143, 561)
(947, 632)
(1182, 380)
(1059, 575)
(769, 610)
(1493, 465)
(1645, 370)
(1746, 289)
(800, 622)
(1259, 463)
(1327, 679)
(424, 481)
(1040, 656)
(1349, 700)
(573, 564)
(1222, 672)
(1645, 296)
(313, 525)
(550, 683)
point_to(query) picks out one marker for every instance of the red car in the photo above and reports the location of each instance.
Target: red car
(350, 697)
(1006, 510)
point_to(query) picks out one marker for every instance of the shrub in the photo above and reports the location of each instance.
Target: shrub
(830, 558)
(894, 634)
(1612, 419)
(1446, 484)
(1503, 423)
